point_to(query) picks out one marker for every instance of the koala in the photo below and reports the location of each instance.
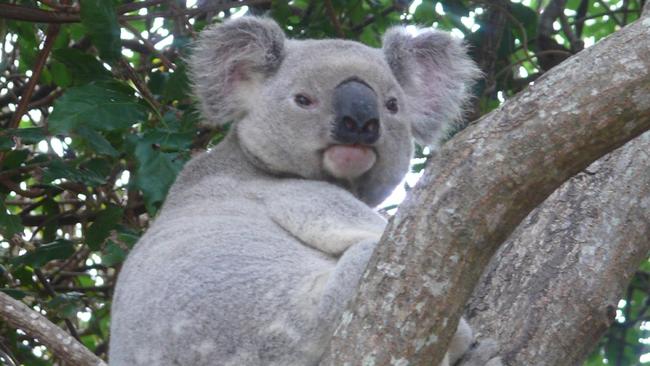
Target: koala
(262, 241)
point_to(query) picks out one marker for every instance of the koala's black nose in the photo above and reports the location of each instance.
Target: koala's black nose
(357, 114)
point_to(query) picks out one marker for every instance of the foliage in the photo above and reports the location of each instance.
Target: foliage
(96, 121)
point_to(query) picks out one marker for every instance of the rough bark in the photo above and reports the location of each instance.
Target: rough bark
(481, 185)
(63, 345)
(552, 289)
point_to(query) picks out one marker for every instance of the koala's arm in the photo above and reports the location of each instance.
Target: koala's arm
(322, 215)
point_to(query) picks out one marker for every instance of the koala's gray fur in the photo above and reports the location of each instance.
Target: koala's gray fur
(262, 241)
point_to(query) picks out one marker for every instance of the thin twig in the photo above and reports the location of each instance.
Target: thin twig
(600, 15)
(369, 20)
(52, 32)
(335, 21)
(127, 8)
(626, 5)
(48, 288)
(614, 17)
(576, 43)
(29, 193)
(150, 46)
(140, 85)
(530, 59)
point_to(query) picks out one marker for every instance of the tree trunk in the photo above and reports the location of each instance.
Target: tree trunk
(552, 289)
(481, 185)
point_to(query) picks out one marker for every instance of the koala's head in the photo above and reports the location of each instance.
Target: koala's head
(331, 110)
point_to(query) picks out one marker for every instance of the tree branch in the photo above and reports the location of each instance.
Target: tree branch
(557, 280)
(331, 13)
(16, 12)
(476, 191)
(64, 347)
(545, 40)
(50, 37)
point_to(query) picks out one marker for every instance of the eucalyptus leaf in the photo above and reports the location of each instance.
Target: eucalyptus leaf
(100, 20)
(99, 230)
(58, 249)
(100, 106)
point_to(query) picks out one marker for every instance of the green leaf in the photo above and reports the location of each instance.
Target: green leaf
(14, 158)
(101, 106)
(59, 249)
(127, 236)
(60, 75)
(97, 167)
(60, 169)
(46, 77)
(28, 45)
(85, 280)
(370, 37)
(66, 305)
(527, 17)
(157, 81)
(113, 254)
(30, 135)
(6, 143)
(155, 174)
(96, 141)
(105, 221)
(86, 67)
(178, 85)
(16, 294)
(10, 225)
(168, 140)
(455, 8)
(425, 13)
(100, 20)
(50, 209)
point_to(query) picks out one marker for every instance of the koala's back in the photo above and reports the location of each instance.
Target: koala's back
(230, 289)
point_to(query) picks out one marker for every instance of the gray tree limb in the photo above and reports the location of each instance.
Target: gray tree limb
(63, 345)
(552, 289)
(481, 185)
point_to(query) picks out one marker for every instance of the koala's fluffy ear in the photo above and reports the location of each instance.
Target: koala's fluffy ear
(228, 60)
(436, 74)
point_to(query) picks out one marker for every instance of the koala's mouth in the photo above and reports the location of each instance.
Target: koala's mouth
(348, 161)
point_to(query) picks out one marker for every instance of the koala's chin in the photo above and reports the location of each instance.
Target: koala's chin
(348, 161)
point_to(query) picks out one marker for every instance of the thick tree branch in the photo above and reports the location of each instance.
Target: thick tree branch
(479, 188)
(64, 346)
(16, 12)
(552, 290)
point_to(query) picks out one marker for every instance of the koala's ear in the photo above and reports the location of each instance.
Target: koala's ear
(436, 74)
(228, 60)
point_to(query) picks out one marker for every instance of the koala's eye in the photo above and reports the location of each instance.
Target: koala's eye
(302, 100)
(392, 106)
